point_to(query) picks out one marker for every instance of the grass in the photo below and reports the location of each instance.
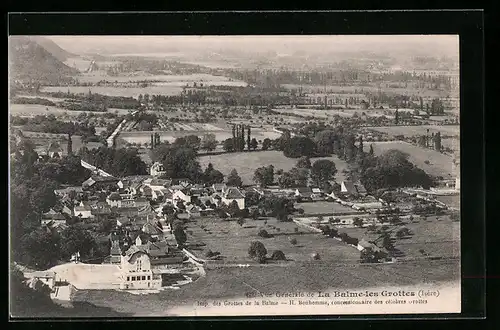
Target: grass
(31, 110)
(438, 238)
(233, 240)
(117, 91)
(323, 207)
(226, 283)
(245, 163)
(439, 164)
(418, 130)
(453, 201)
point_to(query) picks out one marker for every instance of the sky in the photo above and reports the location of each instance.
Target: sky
(440, 44)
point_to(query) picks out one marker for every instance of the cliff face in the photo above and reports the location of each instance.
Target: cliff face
(29, 61)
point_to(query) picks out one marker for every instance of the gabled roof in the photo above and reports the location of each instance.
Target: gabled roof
(114, 196)
(85, 207)
(304, 190)
(135, 249)
(151, 229)
(55, 147)
(233, 193)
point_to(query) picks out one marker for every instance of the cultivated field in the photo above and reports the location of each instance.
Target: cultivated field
(353, 89)
(439, 164)
(323, 208)
(245, 163)
(31, 110)
(419, 130)
(117, 91)
(166, 80)
(233, 240)
(221, 133)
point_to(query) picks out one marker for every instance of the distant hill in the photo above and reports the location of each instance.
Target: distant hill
(29, 60)
(50, 46)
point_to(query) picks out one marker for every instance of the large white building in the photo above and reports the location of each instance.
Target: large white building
(136, 272)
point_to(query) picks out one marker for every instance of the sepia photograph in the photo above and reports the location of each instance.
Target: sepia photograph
(244, 175)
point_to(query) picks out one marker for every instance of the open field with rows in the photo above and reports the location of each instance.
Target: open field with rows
(245, 163)
(419, 130)
(343, 89)
(323, 207)
(31, 110)
(233, 240)
(439, 164)
(169, 80)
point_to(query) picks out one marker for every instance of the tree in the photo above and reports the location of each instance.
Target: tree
(228, 145)
(437, 141)
(209, 142)
(233, 208)
(357, 222)
(264, 176)
(304, 162)
(254, 144)
(233, 179)
(266, 144)
(76, 239)
(396, 117)
(323, 170)
(278, 255)
(371, 151)
(39, 248)
(179, 233)
(257, 250)
(299, 146)
(324, 141)
(211, 175)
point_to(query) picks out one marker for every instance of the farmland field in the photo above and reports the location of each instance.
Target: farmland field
(31, 110)
(169, 80)
(233, 240)
(453, 201)
(245, 163)
(419, 130)
(116, 91)
(371, 88)
(221, 133)
(439, 164)
(323, 207)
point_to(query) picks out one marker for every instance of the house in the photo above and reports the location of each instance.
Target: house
(124, 184)
(146, 191)
(193, 210)
(218, 188)
(54, 150)
(303, 192)
(365, 245)
(141, 202)
(114, 199)
(83, 210)
(183, 195)
(53, 218)
(157, 169)
(152, 229)
(158, 184)
(66, 191)
(98, 182)
(233, 194)
(136, 273)
(353, 189)
(46, 277)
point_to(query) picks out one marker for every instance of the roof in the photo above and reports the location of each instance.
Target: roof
(367, 245)
(114, 197)
(160, 182)
(354, 188)
(45, 274)
(135, 249)
(67, 190)
(233, 193)
(304, 190)
(55, 147)
(151, 229)
(85, 207)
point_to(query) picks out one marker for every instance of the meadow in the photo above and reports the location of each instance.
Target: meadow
(439, 164)
(323, 208)
(117, 91)
(437, 236)
(233, 240)
(245, 163)
(31, 110)
(312, 276)
(164, 79)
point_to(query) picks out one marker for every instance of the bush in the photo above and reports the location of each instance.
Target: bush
(257, 250)
(211, 254)
(293, 240)
(295, 230)
(316, 256)
(278, 255)
(264, 234)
